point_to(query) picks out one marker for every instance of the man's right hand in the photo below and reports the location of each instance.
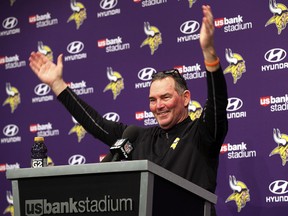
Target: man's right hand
(48, 72)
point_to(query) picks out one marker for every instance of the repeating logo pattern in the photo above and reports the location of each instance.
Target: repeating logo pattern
(161, 34)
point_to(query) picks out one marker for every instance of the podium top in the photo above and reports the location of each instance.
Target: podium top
(111, 167)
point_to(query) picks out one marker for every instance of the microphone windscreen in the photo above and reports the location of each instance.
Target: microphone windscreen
(131, 133)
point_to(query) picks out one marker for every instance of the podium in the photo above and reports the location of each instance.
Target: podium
(127, 188)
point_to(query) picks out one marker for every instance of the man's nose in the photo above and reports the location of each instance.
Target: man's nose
(159, 104)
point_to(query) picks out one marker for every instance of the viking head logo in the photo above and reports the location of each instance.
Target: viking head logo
(282, 148)
(45, 50)
(240, 193)
(154, 38)
(78, 129)
(79, 13)
(191, 2)
(12, 2)
(13, 97)
(194, 109)
(236, 65)
(50, 161)
(116, 84)
(280, 15)
(10, 208)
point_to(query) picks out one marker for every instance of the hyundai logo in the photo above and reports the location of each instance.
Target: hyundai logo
(189, 27)
(108, 4)
(112, 116)
(275, 55)
(10, 22)
(42, 89)
(279, 187)
(76, 159)
(75, 47)
(10, 130)
(234, 104)
(146, 73)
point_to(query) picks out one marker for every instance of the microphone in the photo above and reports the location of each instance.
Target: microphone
(107, 158)
(122, 148)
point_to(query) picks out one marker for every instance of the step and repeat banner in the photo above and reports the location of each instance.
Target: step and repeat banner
(110, 50)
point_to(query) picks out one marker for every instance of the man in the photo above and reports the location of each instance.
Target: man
(185, 147)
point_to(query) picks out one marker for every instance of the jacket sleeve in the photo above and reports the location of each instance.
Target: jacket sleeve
(101, 128)
(214, 116)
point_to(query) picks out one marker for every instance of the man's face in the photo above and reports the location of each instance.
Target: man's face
(168, 107)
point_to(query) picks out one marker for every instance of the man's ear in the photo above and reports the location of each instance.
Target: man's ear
(187, 97)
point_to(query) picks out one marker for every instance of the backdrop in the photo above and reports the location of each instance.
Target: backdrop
(111, 48)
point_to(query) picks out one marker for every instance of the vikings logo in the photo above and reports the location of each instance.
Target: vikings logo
(116, 84)
(13, 97)
(10, 208)
(282, 148)
(45, 50)
(236, 65)
(78, 129)
(240, 193)
(12, 2)
(79, 13)
(50, 161)
(191, 2)
(154, 38)
(194, 109)
(280, 17)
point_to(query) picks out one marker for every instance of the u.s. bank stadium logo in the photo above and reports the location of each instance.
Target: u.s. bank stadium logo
(105, 204)
(147, 118)
(42, 91)
(79, 13)
(44, 130)
(80, 88)
(237, 151)
(75, 49)
(236, 65)
(78, 129)
(275, 60)
(280, 14)
(13, 98)
(190, 29)
(153, 39)
(281, 149)
(149, 3)
(109, 8)
(279, 191)
(145, 75)
(10, 132)
(276, 103)
(190, 72)
(116, 84)
(76, 159)
(113, 44)
(12, 62)
(45, 50)
(240, 195)
(9, 25)
(5, 167)
(42, 20)
(234, 110)
(232, 24)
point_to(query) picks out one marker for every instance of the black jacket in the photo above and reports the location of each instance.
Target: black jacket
(195, 157)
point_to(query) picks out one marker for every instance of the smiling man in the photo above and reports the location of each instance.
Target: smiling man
(185, 147)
